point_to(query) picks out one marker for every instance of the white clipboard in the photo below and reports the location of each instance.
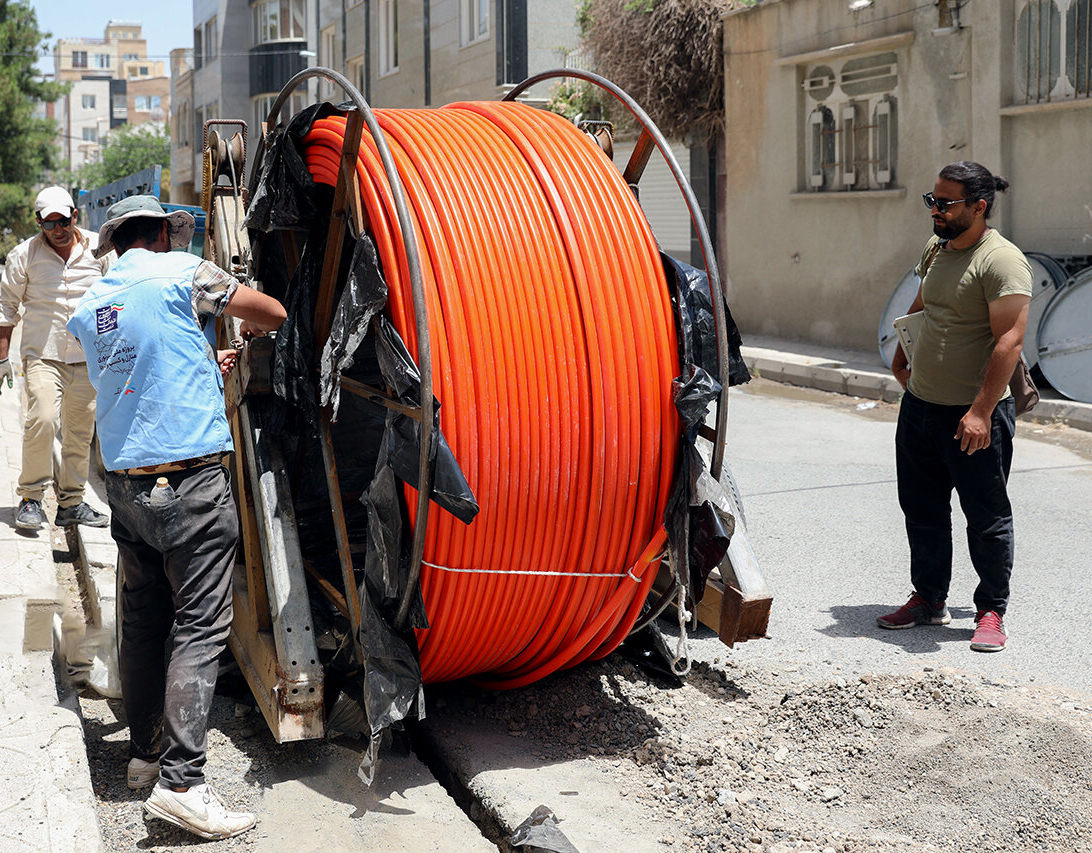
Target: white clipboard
(908, 328)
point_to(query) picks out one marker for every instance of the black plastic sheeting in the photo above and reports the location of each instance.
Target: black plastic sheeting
(698, 516)
(697, 326)
(283, 196)
(375, 446)
(539, 833)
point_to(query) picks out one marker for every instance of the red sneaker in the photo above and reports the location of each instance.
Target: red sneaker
(916, 611)
(989, 632)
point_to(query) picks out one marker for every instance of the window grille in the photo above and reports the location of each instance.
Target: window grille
(884, 138)
(1053, 50)
(850, 133)
(820, 147)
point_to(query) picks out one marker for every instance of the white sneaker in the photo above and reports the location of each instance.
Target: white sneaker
(141, 773)
(198, 810)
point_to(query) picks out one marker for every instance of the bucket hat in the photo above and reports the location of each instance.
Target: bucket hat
(180, 224)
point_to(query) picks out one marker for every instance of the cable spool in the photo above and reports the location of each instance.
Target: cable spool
(553, 345)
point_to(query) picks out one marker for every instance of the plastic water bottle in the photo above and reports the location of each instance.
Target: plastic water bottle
(161, 493)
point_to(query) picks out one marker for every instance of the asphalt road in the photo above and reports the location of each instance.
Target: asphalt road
(817, 476)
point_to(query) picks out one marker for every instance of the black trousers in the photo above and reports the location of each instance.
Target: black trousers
(930, 464)
(175, 563)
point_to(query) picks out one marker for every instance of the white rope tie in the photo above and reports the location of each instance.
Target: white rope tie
(682, 649)
(628, 573)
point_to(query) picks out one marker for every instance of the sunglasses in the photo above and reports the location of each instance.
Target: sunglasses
(941, 204)
(50, 224)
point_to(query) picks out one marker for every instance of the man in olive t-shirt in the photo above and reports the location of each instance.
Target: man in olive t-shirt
(957, 417)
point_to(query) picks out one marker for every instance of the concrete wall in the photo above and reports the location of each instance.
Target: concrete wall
(456, 72)
(820, 266)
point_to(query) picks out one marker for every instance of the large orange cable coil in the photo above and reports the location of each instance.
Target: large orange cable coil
(553, 350)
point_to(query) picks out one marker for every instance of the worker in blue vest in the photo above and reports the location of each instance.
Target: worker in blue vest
(164, 434)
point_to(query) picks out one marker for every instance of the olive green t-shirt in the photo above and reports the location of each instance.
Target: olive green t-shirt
(955, 343)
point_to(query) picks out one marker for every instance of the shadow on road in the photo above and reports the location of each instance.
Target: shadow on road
(859, 620)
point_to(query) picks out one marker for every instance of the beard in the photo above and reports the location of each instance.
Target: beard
(949, 230)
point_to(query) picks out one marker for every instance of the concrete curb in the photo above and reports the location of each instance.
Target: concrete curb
(825, 374)
(45, 793)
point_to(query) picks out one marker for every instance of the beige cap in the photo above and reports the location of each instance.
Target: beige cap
(53, 200)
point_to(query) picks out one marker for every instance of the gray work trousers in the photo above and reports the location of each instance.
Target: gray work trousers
(175, 564)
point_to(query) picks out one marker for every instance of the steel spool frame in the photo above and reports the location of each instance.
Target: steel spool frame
(346, 193)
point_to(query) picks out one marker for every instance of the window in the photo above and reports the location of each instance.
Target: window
(145, 103)
(327, 48)
(264, 103)
(182, 126)
(211, 38)
(143, 71)
(87, 102)
(473, 20)
(102, 60)
(279, 19)
(198, 49)
(358, 74)
(388, 36)
(79, 59)
(850, 132)
(1053, 44)
(90, 134)
(203, 114)
(119, 106)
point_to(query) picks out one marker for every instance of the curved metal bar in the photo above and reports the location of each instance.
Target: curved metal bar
(420, 312)
(716, 293)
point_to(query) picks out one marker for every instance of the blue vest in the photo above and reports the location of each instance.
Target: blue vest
(160, 395)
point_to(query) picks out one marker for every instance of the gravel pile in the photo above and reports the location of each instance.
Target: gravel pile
(739, 760)
(736, 759)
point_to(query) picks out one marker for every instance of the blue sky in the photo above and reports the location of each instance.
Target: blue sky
(168, 27)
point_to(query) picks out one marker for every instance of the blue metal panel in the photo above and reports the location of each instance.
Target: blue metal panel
(93, 203)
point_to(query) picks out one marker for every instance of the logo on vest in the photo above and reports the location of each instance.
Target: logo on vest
(106, 318)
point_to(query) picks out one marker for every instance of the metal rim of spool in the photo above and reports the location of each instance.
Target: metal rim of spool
(1040, 300)
(1049, 350)
(651, 136)
(891, 312)
(420, 312)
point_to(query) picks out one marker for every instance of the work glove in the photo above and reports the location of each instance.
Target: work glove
(5, 373)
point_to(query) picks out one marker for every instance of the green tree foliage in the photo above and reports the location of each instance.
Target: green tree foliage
(128, 150)
(26, 141)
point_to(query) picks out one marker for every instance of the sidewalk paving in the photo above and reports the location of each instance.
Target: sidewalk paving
(861, 373)
(45, 791)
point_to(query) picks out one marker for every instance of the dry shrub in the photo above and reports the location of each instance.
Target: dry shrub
(667, 55)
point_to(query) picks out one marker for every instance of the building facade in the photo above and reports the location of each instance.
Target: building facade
(113, 83)
(397, 53)
(839, 115)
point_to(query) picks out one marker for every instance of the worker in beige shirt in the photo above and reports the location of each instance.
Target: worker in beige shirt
(47, 275)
